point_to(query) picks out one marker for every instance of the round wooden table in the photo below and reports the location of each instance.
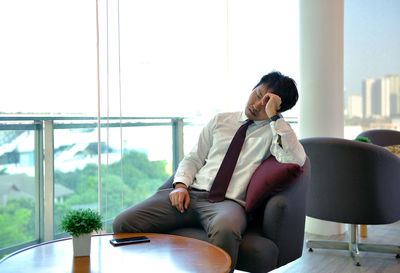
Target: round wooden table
(164, 253)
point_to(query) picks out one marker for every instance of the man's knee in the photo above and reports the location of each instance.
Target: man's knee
(225, 227)
(117, 225)
(139, 217)
(225, 231)
(122, 224)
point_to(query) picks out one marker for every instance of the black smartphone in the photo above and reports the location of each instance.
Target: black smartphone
(130, 240)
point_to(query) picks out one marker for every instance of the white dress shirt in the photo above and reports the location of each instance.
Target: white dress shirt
(199, 168)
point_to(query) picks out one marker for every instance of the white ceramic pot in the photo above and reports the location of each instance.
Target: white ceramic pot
(82, 244)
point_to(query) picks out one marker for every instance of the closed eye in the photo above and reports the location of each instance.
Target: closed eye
(258, 95)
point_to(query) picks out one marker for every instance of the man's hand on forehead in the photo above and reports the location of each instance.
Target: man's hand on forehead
(272, 103)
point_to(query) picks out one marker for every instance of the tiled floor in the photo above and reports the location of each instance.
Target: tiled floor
(340, 261)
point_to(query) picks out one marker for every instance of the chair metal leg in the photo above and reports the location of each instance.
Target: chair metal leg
(327, 245)
(353, 246)
(380, 248)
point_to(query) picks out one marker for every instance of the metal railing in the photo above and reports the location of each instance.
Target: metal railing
(43, 127)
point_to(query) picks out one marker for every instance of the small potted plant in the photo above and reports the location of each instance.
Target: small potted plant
(363, 139)
(80, 224)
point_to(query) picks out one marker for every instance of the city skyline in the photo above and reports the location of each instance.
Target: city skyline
(370, 41)
(380, 98)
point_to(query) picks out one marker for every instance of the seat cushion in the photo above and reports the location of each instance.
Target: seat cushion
(269, 178)
(256, 253)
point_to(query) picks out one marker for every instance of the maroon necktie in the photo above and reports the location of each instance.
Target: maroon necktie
(224, 174)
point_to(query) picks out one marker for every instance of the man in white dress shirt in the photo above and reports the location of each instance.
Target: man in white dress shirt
(187, 203)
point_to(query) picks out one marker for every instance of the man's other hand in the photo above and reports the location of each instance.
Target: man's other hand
(180, 197)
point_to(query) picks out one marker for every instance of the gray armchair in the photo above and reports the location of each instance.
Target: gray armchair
(355, 183)
(382, 137)
(275, 234)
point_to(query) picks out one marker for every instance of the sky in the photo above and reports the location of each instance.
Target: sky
(371, 41)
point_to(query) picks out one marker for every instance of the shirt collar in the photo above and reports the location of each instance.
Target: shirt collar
(243, 118)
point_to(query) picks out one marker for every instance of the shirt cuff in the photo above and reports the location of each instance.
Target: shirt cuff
(280, 127)
(181, 179)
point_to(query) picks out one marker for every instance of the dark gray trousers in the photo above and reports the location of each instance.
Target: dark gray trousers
(224, 222)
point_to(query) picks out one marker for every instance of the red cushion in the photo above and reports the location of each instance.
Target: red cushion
(269, 178)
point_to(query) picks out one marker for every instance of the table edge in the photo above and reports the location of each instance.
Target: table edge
(112, 234)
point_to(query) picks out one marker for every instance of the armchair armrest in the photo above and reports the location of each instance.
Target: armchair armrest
(284, 218)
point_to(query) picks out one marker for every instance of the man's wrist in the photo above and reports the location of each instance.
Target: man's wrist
(180, 185)
(275, 117)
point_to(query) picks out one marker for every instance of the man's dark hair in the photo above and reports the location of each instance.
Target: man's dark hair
(283, 86)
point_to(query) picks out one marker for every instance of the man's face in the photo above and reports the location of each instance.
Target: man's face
(255, 110)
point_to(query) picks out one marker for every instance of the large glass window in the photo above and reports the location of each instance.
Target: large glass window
(193, 58)
(371, 74)
(127, 177)
(48, 56)
(157, 59)
(18, 190)
(196, 58)
(134, 174)
(47, 68)
(75, 171)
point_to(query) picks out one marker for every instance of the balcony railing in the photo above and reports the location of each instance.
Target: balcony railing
(43, 151)
(44, 128)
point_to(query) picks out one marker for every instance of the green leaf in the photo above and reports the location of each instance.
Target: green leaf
(363, 139)
(77, 222)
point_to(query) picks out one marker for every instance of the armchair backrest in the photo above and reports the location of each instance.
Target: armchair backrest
(382, 137)
(352, 182)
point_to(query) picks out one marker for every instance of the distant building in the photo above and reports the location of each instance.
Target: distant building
(73, 149)
(381, 97)
(17, 186)
(354, 106)
(367, 97)
(391, 84)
